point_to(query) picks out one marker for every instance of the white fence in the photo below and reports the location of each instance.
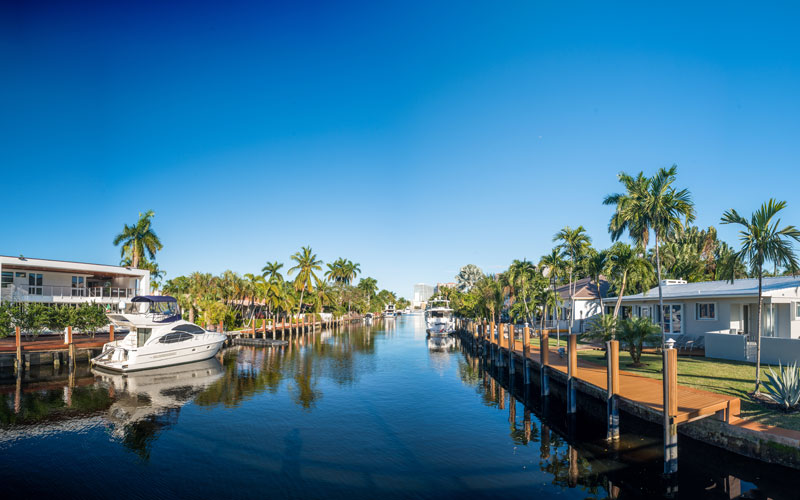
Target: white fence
(726, 346)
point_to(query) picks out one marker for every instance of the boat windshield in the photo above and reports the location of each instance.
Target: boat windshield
(158, 311)
(439, 314)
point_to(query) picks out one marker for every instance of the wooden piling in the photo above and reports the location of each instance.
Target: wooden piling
(612, 403)
(670, 382)
(221, 327)
(544, 357)
(511, 347)
(526, 348)
(111, 333)
(71, 360)
(18, 360)
(572, 371)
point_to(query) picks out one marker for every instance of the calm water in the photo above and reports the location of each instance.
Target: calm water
(370, 411)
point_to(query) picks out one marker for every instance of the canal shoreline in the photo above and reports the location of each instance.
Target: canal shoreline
(742, 437)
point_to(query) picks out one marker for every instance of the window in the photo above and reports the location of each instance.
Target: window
(188, 328)
(673, 318)
(35, 284)
(142, 334)
(705, 311)
(8, 279)
(20, 275)
(174, 337)
(797, 310)
(77, 286)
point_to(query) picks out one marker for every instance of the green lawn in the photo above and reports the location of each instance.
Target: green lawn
(733, 378)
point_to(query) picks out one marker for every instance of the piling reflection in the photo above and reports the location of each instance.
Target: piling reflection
(574, 453)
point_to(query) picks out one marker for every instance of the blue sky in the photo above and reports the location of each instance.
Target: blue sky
(412, 138)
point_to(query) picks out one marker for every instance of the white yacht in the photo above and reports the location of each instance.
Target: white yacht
(389, 312)
(158, 337)
(439, 318)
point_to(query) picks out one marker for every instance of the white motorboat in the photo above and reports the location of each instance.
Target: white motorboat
(158, 337)
(389, 312)
(439, 318)
(368, 318)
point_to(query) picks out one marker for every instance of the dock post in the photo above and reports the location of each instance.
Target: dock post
(500, 344)
(670, 410)
(572, 371)
(221, 327)
(71, 349)
(511, 347)
(612, 405)
(491, 341)
(254, 327)
(111, 333)
(18, 360)
(526, 372)
(544, 356)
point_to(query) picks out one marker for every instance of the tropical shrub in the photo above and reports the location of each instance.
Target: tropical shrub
(783, 388)
(602, 327)
(634, 333)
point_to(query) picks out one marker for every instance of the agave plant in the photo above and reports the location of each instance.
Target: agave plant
(784, 388)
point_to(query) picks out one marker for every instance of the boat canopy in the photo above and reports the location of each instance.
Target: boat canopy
(154, 298)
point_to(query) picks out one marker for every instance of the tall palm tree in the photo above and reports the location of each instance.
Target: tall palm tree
(350, 271)
(271, 271)
(624, 262)
(651, 204)
(574, 243)
(596, 263)
(763, 241)
(369, 286)
(521, 274)
(139, 240)
(307, 263)
(554, 266)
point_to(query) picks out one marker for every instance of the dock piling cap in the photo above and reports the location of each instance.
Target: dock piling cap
(670, 343)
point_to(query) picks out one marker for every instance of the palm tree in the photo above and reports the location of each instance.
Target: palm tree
(307, 263)
(271, 271)
(350, 270)
(574, 243)
(139, 240)
(521, 274)
(596, 263)
(369, 286)
(624, 262)
(555, 266)
(650, 204)
(763, 241)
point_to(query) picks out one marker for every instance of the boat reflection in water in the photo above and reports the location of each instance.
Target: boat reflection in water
(149, 401)
(442, 344)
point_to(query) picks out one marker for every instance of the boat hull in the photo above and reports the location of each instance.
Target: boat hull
(145, 359)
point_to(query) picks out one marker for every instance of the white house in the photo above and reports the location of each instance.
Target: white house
(725, 315)
(587, 303)
(53, 281)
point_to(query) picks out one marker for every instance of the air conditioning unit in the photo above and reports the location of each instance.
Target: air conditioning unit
(673, 282)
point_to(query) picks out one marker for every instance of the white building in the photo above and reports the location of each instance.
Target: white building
(422, 293)
(587, 303)
(723, 317)
(61, 282)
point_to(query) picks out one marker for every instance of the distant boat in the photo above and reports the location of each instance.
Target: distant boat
(158, 337)
(439, 318)
(390, 311)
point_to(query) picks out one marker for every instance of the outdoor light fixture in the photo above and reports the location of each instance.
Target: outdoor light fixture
(670, 343)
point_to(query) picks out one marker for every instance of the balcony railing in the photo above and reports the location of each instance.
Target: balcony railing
(28, 292)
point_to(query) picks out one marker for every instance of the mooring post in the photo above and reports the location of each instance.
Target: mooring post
(526, 372)
(18, 361)
(511, 346)
(670, 410)
(612, 405)
(491, 341)
(254, 327)
(111, 333)
(71, 348)
(221, 327)
(572, 371)
(544, 356)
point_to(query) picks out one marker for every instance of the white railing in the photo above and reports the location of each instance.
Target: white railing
(27, 292)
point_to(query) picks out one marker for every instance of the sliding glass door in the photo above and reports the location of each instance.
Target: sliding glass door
(673, 319)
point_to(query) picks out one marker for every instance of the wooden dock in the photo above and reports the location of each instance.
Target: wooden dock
(636, 390)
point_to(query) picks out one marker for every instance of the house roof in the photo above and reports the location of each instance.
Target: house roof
(29, 263)
(739, 288)
(585, 289)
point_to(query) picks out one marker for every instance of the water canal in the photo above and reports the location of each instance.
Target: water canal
(365, 412)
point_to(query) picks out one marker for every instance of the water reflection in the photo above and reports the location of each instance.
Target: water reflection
(346, 414)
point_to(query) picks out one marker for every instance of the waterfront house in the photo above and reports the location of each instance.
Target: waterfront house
(722, 316)
(587, 303)
(61, 282)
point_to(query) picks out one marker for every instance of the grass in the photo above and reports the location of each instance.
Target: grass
(733, 378)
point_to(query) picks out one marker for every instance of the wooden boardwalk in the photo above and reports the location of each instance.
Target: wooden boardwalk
(644, 392)
(45, 343)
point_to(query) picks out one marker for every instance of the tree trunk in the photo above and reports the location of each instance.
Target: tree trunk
(758, 332)
(619, 296)
(660, 296)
